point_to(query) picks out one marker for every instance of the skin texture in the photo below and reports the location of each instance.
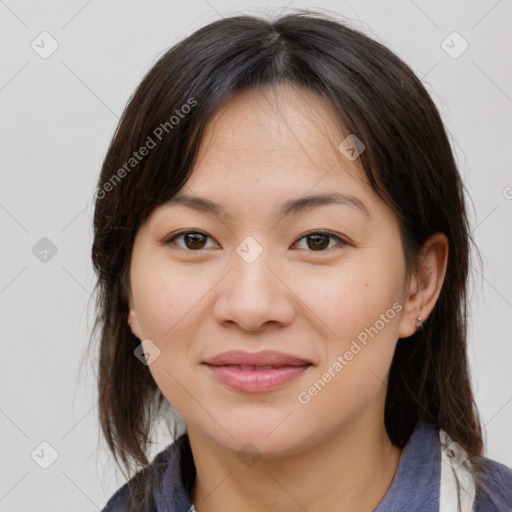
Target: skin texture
(264, 148)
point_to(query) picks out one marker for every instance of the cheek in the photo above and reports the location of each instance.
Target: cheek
(165, 303)
(361, 305)
(165, 295)
(362, 311)
(351, 298)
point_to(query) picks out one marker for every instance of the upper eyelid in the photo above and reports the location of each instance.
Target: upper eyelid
(341, 239)
(169, 238)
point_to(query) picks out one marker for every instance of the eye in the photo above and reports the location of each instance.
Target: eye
(191, 240)
(319, 241)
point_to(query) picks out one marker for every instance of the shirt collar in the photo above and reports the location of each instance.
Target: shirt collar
(416, 482)
(415, 486)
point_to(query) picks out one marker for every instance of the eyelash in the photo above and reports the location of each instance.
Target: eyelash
(171, 239)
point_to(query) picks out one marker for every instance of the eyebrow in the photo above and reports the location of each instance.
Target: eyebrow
(290, 207)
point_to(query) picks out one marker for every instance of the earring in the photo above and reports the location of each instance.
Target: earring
(420, 324)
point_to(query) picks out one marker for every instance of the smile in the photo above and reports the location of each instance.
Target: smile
(256, 373)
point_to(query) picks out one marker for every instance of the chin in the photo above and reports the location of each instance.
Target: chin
(260, 435)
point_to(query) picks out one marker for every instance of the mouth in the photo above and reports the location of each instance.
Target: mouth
(256, 372)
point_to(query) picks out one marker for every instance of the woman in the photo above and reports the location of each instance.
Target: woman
(282, 250)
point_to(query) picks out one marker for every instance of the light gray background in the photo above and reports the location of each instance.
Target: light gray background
(57, 117)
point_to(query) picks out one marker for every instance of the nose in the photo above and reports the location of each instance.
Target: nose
(254, 296)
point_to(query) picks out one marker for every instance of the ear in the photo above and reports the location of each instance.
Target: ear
(425, 285)
(133, 321)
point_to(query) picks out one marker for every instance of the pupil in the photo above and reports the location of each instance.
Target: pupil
(194, 240)
(318, 241)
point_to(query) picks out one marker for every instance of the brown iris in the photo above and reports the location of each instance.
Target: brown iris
(195, 240)
(318, 241)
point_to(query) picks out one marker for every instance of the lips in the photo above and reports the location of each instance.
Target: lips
(256, 372)
(271, 358)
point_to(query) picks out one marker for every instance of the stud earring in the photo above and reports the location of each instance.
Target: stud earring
(420, 324)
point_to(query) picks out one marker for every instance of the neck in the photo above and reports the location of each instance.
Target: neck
(351, 470)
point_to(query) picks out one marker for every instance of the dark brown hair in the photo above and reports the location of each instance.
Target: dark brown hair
(408, 162)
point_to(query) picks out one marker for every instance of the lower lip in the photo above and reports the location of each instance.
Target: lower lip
(256, 381)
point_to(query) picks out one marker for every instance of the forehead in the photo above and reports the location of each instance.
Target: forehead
(282, 141)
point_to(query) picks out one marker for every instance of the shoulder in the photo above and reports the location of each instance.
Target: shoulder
(119, 500)
(144, 483)
(494, 486)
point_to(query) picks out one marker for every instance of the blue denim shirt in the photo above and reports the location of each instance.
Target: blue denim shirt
(415, 487)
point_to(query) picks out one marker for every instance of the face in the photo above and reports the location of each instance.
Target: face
(271, 317)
